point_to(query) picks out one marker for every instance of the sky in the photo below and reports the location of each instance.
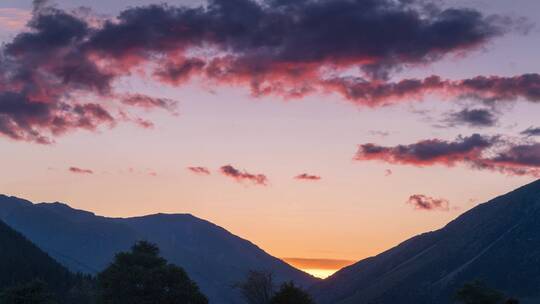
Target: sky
(323, 131)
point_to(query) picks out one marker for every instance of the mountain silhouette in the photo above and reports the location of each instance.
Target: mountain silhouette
(85, 242)
(497, 242)
(21, 262)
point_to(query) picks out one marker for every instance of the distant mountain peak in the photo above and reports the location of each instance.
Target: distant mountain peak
(9, 203)
(170, 215)
(214, 257)
(66, 210)
(14, 200)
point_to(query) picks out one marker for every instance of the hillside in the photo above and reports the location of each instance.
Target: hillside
(82, 241)
(21, 262)
(497, 242)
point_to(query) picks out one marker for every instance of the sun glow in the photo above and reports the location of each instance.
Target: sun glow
(321, 273)
(318, 267)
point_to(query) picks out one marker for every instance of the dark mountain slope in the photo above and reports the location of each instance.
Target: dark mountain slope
(81, 245)
(208, 252)
(497, 242)
(21, 262)
(213, 257)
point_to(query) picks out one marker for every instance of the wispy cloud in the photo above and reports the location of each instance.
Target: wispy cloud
(78, 170)
(476, 151)
(482, 88)
(148, 102)
(308, 177)
(531, 131)
(199, 170)
(479, 117)
(378, 133)
(428, 152)
(257, 179)
(423, 202)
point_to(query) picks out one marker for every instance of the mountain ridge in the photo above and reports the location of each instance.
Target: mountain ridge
(214, 257)
(430, 266)
(497, 241)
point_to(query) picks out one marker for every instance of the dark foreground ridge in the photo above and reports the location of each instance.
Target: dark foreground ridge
(21, 262)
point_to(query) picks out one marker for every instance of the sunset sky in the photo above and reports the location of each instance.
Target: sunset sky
(324, 130)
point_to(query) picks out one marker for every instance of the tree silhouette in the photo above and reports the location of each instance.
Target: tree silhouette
(143, 277)
(478, 293)
(258, 287)
(83, 290)
(34, 292)
(290, 294)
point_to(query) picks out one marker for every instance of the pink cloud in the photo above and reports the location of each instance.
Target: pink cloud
(308, 177)
(199, 170)
(257, 179)
(78, 170)
(476, 151)
(423, 202)
(62, 59)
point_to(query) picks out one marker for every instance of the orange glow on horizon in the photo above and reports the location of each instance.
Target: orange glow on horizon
(320, 273)
(320, 268)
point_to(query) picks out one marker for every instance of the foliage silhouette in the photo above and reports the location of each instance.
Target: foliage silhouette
(290, 294)
(34, 292)
(478, 293)
(258, 287)
(83, 291)
(141, 276)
